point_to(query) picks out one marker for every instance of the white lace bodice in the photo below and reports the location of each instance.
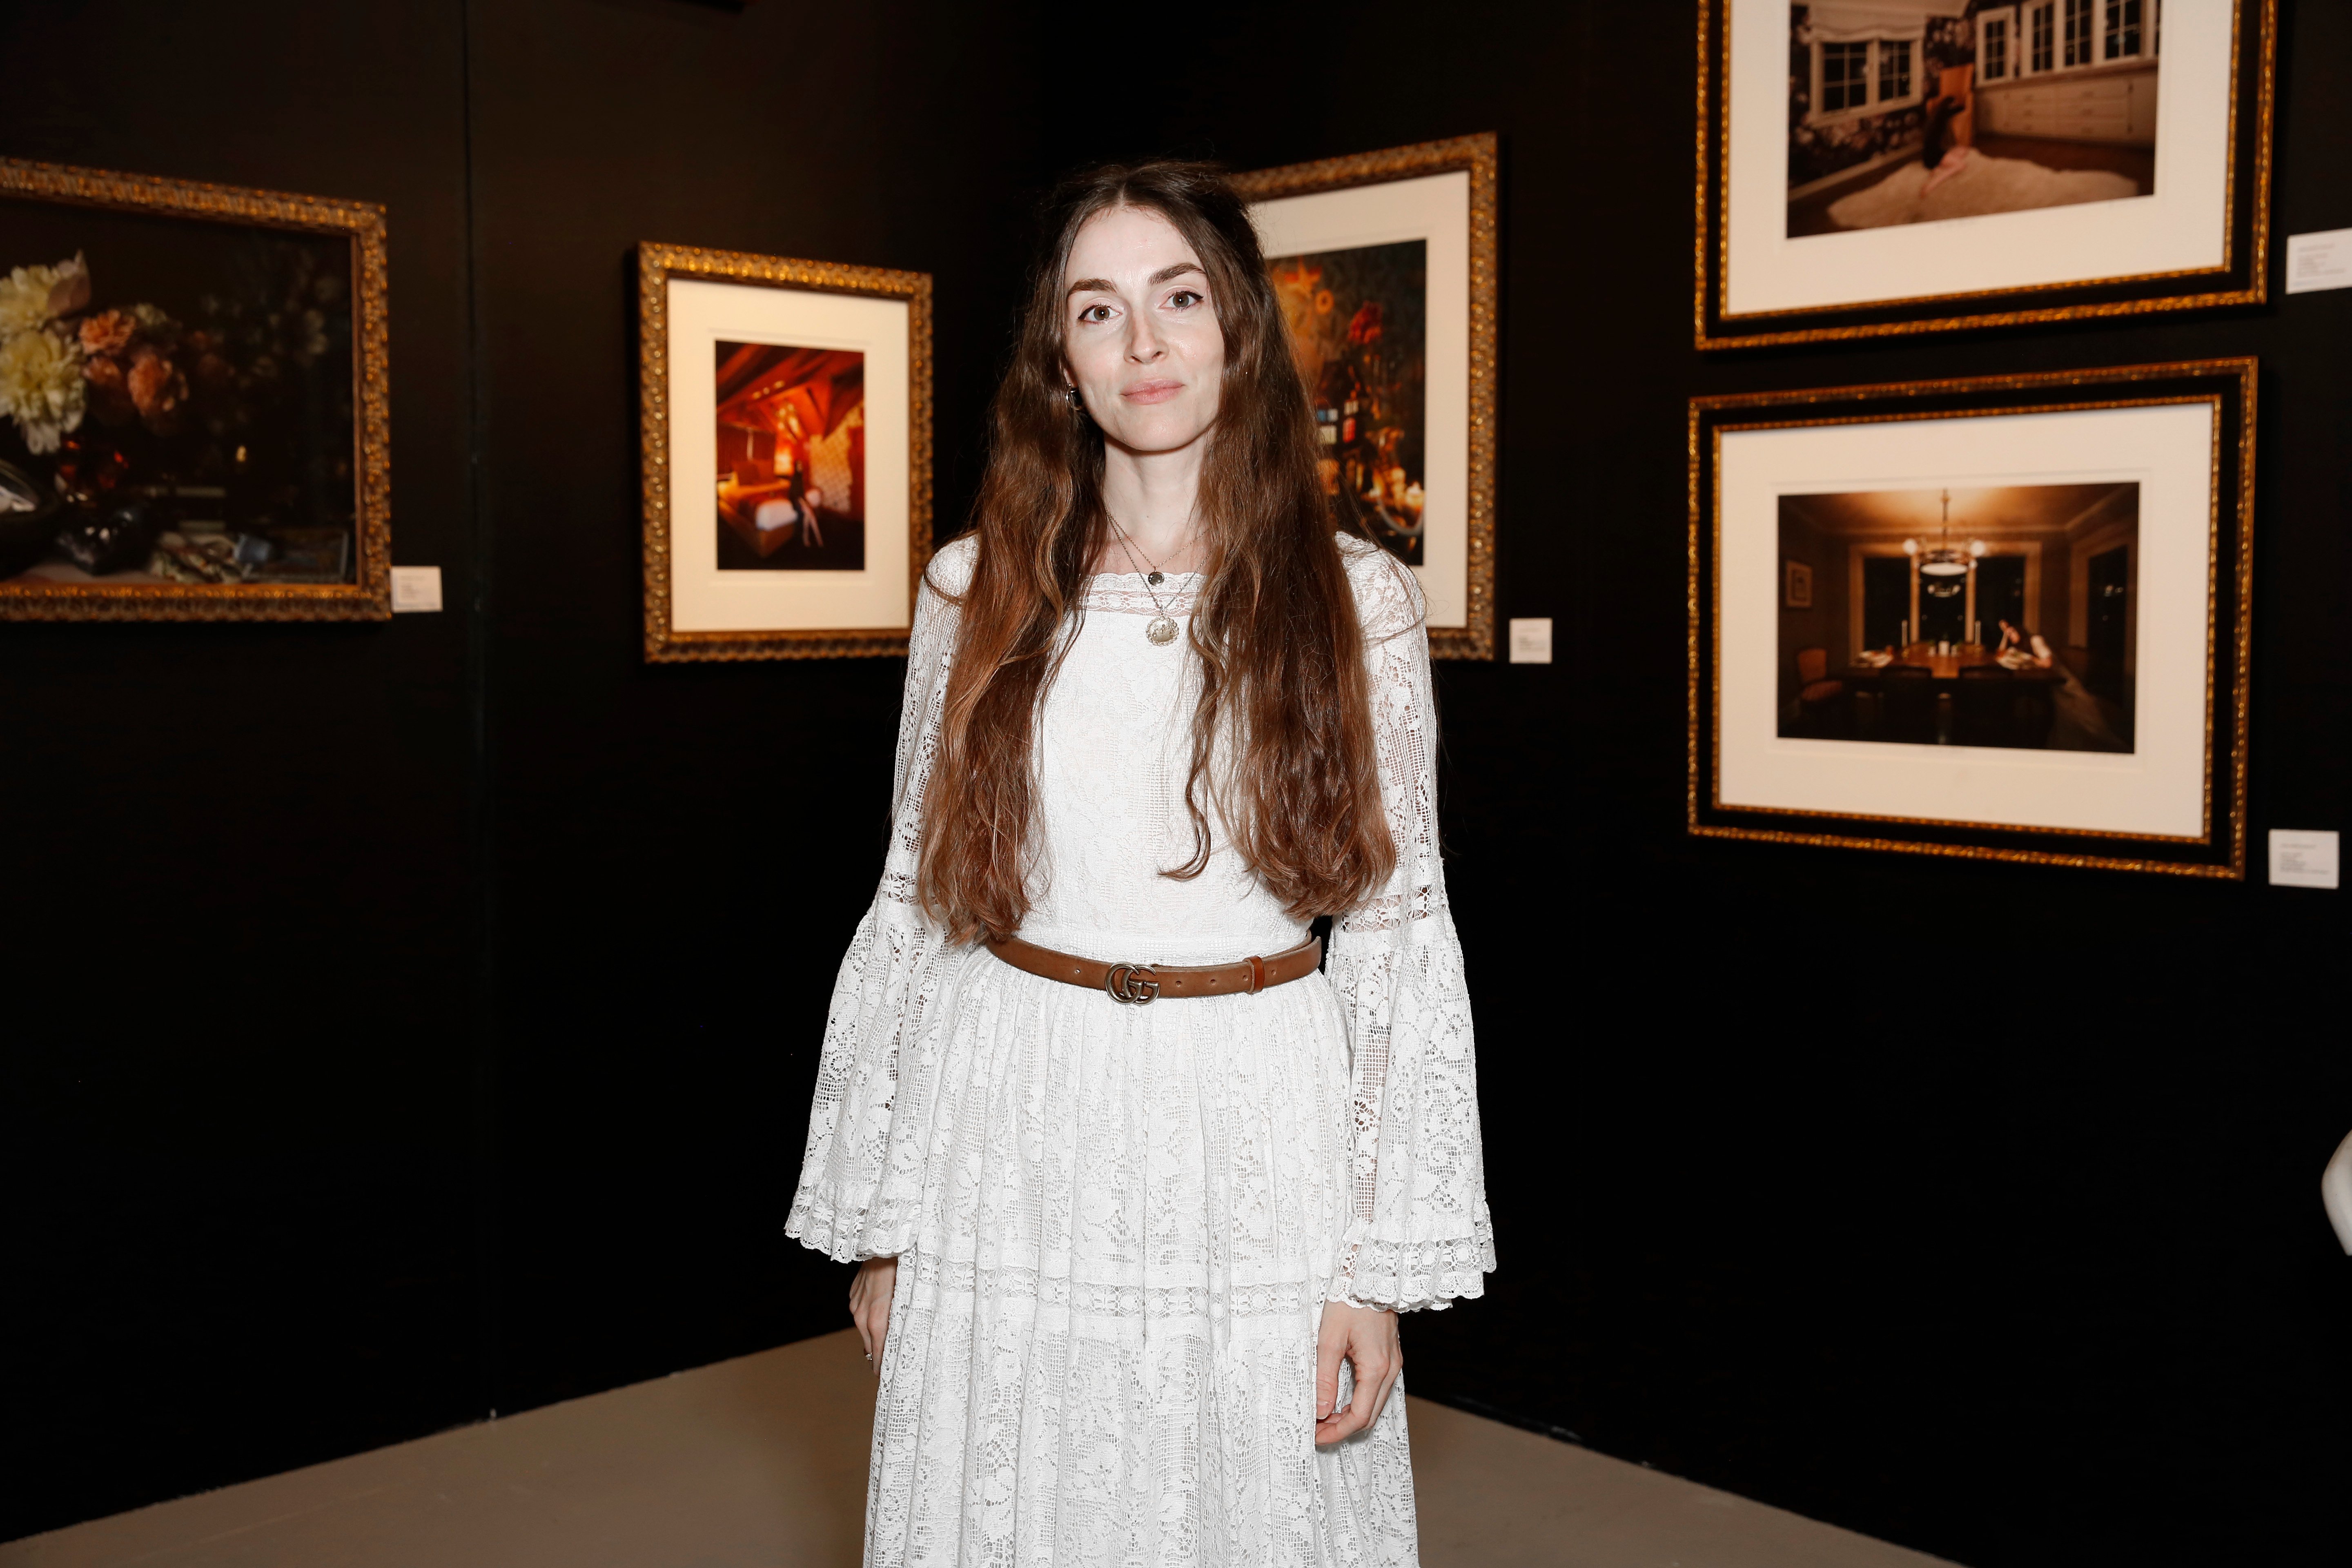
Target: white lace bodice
(1114, 746)
(1114, 740)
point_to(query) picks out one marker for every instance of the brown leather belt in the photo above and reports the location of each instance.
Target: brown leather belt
(1142, 982)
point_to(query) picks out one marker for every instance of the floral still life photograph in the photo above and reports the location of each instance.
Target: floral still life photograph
(177, 406)
(1358, 319)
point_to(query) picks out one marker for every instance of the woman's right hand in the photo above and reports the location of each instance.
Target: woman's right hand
(869, 1304)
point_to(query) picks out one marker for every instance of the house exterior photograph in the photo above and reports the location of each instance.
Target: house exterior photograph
(1924, 111)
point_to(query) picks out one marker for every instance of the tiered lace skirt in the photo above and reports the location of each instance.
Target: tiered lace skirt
(1102, 1349)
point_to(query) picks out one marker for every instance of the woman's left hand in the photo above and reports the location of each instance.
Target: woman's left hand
(1365, 1338)
(870, 1290)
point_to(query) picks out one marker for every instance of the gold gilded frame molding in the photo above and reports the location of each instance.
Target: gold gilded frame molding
(369, 596)
(657, 265)
(2228, 384)
(2243, 278)
(1478, 156)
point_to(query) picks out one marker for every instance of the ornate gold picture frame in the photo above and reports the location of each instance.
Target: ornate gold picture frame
(785, 416)
(2029, 633)
(193, 401)
(1932, 165)
(1386, 265)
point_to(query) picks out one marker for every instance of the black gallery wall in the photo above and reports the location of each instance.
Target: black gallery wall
(415, 1021)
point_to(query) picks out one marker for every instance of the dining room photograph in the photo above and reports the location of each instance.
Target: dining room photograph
(1997, 617)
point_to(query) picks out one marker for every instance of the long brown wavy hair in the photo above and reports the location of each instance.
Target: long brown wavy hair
(1283, 683)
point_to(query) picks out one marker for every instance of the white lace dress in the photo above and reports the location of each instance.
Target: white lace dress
(1117, 1224)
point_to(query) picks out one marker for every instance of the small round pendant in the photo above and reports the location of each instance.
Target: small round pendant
(1162, 631)
(1156, 578)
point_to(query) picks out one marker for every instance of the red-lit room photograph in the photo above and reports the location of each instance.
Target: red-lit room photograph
(791, 459)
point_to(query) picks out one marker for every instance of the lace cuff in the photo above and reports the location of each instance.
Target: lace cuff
(820, 1222)
(1406, 1276)
(843, 1206)
(1420, 1235)
(852, 1198)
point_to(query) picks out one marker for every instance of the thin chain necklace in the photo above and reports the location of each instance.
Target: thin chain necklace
(1162, 629)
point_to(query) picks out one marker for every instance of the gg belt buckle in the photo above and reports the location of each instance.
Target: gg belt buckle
(1131, 983)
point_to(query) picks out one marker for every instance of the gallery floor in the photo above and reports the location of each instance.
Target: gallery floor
(762, 1462)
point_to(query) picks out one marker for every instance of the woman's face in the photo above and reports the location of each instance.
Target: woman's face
(1140, 334)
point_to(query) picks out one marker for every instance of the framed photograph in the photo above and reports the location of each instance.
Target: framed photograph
(2028, 634)
(1385, 266)
(1878, 166)
(193, 401)
(1796, 585)
(786, 422)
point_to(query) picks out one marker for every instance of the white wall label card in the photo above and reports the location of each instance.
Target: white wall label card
(1531, 641)
(2321, 261)
(416, 588)
(2301, 858)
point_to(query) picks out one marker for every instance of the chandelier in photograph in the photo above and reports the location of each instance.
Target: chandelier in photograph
(1943, 565)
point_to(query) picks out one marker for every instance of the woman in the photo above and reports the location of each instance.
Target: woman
(1134, 1232)
(1942, 151)
(2078, 721)
(1951, 179)
(790, 467)
(2019, 646)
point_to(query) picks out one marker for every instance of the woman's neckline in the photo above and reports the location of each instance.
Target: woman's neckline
(1138, 576)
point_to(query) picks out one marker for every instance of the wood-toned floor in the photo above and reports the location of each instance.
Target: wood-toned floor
(762, 1462)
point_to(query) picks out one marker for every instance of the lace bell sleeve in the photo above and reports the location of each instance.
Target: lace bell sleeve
(846, 1204)
(1420, 1235)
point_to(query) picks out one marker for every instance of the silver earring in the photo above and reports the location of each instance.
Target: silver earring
(1077, 404)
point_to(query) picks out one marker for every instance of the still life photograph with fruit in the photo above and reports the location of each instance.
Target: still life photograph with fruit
(191, 401)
